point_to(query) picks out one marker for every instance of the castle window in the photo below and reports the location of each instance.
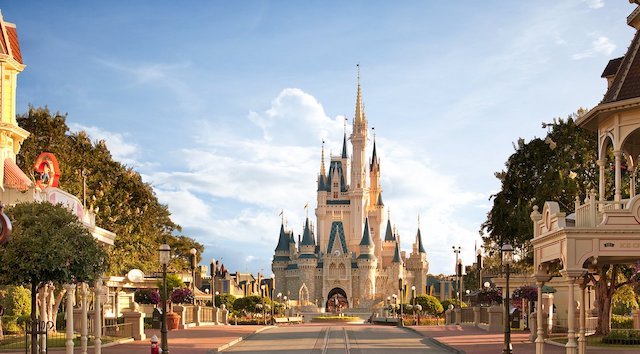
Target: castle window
(335, 195)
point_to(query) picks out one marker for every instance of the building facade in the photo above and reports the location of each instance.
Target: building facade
(348, 258)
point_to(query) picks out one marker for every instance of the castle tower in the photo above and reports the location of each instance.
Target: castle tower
(358, 187)
(281, 260)
(388, 245)
(418, 265)
(376, 206)
(307, 263)
(367, 264)
(11, 135)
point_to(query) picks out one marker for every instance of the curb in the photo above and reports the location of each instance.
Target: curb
(435, 341)
(237, 340)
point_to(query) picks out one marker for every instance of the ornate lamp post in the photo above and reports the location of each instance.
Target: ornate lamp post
(507, 259)
(165, 257)
(271, 287)
(479, 265)
(401, 289)
(388, 306)
(457, 250)
(212, 284)
(262, 293)
(413, 300)
(279, 296)
(193, 259)
(395, 301)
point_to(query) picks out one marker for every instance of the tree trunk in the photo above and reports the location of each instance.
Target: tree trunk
(604, 290)
(34, 323)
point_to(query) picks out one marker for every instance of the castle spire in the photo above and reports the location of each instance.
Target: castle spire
(359, 116)
(344, 140)
(374, 156)
(396, 254)
(366, 236)
(322, 170)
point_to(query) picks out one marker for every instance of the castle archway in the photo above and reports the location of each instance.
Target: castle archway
(336, 300)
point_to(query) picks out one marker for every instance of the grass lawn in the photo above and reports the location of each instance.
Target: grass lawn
(596, 341)
(58, 340)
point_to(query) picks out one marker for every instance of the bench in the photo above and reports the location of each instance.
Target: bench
(298, 319)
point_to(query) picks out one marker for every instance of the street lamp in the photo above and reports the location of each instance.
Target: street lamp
(279, 299)
(165, 257)
(388, 305)
(413, 297)
(395, 301)
(262, 293)
(507, 259)
(457, 250)
(271, 288)
(401, 289)
(479, 265)
(212, 284)
(193, 259)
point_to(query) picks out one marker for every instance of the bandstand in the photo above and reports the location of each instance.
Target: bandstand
(600, 232)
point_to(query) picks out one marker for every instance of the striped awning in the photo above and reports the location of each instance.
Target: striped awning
(14, 177)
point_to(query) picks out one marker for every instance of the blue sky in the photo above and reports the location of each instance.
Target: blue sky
(222, 105)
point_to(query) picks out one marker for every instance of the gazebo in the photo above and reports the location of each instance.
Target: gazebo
(601, 232)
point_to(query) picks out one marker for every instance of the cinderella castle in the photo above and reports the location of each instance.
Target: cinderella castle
(350, 260)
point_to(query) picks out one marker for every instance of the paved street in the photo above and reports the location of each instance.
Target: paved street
(336, 338)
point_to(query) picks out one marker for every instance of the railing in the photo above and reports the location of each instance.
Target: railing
(188, 314)
(206, 314)
(590, 213)
(122, 330)
(484, 315)
(56, 339)
(466, 315)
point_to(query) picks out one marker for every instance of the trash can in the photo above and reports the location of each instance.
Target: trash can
(156, 318)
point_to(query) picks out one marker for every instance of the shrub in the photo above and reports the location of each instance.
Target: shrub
(226, 299)
(526, 292)
(621, 322)
(147, 296)
(16, 301)
(430, 304)
(249, 303)
(454, 302)
(490, 296)
(182, 296)
(625, 337)
(173, 282)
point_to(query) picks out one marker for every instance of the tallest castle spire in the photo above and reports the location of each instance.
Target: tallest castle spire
(359, 116)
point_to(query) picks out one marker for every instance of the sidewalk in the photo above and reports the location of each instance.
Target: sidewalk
(472, 340)
(198, 340)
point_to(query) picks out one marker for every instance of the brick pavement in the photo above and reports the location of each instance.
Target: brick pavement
(195, 340)
(472, 340)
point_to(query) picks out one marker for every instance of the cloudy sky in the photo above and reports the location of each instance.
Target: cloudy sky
(222, 105)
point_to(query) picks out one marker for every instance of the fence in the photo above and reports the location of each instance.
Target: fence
(206, 314)
(466, 315)
(188, 314)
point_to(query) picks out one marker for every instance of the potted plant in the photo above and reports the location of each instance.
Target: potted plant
(178, 296)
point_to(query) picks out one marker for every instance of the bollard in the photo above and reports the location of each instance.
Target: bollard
(155, 348)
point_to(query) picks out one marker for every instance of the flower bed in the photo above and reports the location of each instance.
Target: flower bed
(336, 319)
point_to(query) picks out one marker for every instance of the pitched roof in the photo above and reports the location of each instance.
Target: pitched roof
(419, 240)
(375, 163)
(380, 202)
(14, 177)
(337, 230)
(307, 237)
(396, 254)
(626, 83)
(283, 240)
(344, 146)
(366, 236)
(388, 235)
(612, 67)
(9, 43)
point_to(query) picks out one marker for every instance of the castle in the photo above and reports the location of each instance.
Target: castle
(350, 264)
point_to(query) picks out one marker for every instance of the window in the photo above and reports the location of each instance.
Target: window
(335, 195)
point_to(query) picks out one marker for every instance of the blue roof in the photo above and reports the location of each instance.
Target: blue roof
(366, 236)
(374, 157)
(307, 236)
(307, 255)
(419, 239)
(292, 266)
(366, 256)
(344, 146)
(388, 236)
(321, 183)
(336, 167)
(280, 258)
(283, 241)
(337, 229)
(396, 254)
(380, 202)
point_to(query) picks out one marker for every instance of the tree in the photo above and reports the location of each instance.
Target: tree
(430, 304)
(625, 300)
(226, 299)
(48, 244)
(123, 203)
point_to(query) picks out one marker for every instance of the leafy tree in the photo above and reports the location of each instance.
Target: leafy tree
(173, 282)
(625, 300)
(249, 303)
(16, 301)
(123, 203)
(226, 299)
(48, 244)
(430, 304)
(455, 302)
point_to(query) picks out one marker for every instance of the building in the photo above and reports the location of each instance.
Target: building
(355, 261)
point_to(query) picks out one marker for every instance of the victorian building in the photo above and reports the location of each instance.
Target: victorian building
(348, 258)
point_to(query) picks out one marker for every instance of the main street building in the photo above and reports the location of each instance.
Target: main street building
(348, 258)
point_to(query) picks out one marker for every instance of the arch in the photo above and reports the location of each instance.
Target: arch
(336, 300)
(333, 270)
(303, 295)
(606, 141)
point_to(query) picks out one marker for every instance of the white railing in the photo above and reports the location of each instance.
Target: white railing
(590, 213)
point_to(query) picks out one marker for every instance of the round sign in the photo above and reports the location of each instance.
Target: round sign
(135, 275)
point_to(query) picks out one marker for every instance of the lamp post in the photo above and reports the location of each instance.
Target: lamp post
(279, 296)
(507, 259)
(262, 293)
(271, 287)
(388, 305)
(194, 262)
(479, 265)
(457, 250)
(165, 257)
(395, 301)
(212, 284)
(413, 297)
(401, 289)
(286, 305)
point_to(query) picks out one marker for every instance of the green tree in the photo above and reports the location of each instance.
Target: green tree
(249, 303)
(123, 203)
(430, 304)
(16, 301)
(226, 299)
(625, 300)
(48, 244)
(173, 282)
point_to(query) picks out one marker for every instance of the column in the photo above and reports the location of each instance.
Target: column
(602, 184)
(571, 345)
(43, 315)
(539, 323)
(618, 177)
(632, 181)
(69, 315)
(582, 340)
(84, 326)
(97, 317)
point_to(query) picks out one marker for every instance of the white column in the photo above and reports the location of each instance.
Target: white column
(97, 318)
(571, 345)
(84, 325)
(582, 341)
(539, 323)
(618, 177)
(69, 314)
(632, 181)
(602, 183)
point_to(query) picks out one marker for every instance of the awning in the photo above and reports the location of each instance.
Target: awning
(14, 177)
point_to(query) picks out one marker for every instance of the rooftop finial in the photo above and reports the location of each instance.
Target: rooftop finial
(359, 116)
(358, 66)
(322, 170)
(418, 220)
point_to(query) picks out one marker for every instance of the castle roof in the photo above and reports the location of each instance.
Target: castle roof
(366, 236)
(283, 240)
(388, 235)
(419, 241)
(344, 146)
(307, 236)
(337, 231)
(396, 254)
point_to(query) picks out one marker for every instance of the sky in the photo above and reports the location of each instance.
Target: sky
(222, 105)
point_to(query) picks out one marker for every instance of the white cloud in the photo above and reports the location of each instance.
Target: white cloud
(120, 148)
(255, 178)
(601, 45)
(594, 4)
